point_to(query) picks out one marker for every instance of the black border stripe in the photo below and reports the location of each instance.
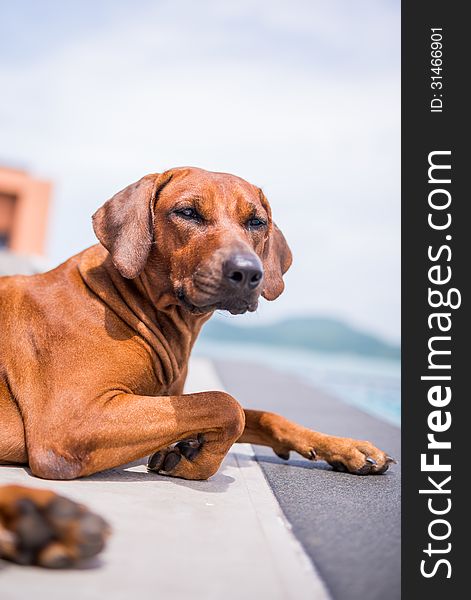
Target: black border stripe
(422, 133)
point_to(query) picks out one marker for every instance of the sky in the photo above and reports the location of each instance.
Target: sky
(301, 98)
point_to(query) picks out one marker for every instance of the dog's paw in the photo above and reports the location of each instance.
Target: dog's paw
(38, 527)
(166, 460)
(353, 456)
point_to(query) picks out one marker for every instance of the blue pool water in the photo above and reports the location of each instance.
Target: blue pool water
(371, 384)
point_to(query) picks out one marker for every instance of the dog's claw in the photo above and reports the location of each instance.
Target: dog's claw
(392, 460)
(312, 454)
(371, 460)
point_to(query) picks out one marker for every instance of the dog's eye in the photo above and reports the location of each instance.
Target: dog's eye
(189, 213)
(255, 223)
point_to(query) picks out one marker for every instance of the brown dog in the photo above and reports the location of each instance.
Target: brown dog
(93, 354)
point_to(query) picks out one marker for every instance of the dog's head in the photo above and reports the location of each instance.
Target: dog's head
(209, 235)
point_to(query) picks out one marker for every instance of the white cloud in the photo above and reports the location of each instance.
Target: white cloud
(292, 97)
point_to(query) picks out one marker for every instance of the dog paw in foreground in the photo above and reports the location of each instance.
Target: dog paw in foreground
(38, 527)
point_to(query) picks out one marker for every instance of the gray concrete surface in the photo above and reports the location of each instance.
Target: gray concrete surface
(348, 525)
(224, 539)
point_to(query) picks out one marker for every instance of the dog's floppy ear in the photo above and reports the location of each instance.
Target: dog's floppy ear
(124, 224)
(277, 260)
(277, 257)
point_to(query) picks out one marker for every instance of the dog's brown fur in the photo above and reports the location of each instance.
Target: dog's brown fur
(93, 354)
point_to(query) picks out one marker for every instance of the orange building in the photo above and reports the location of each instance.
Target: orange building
(24, 206)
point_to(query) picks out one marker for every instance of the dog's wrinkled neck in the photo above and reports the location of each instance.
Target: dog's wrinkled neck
(147, 305)
(155, 286)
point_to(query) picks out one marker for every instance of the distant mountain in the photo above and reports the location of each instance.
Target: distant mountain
(310, 333)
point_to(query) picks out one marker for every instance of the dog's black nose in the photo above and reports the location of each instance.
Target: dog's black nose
(243, 271)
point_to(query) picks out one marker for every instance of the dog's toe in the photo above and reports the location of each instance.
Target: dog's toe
(164, 461)
(91, 535)
(191, 448)
(171, 461)
(156, 460)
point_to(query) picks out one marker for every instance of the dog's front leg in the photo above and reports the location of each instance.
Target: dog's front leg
(125, 427)
(344, 454)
